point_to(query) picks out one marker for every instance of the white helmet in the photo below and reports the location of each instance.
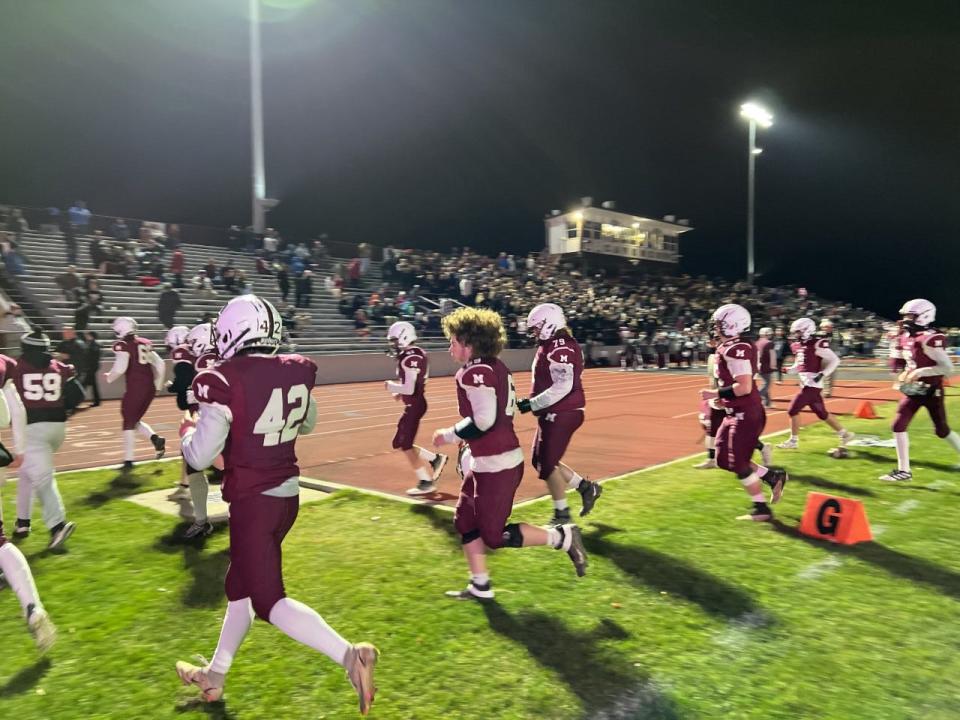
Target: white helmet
(802, 329)
(544, 321)
(731, 320)
(401, 335)
(200, 339)
(176, 336)
(123, 326)
(766, 332)
(925, 312)
(247, 321)
(826, 324)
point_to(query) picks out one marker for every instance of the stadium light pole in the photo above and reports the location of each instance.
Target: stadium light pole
(755, 115)
(259, 189)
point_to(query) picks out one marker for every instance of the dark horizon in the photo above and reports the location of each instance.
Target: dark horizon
(430, 124)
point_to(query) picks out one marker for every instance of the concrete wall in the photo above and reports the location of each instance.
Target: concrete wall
(364, 367)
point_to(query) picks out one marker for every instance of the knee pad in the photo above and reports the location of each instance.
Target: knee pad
(469, 537)
(512, 536)
(942, 432)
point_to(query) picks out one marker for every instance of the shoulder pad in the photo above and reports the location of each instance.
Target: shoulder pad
(211, 386)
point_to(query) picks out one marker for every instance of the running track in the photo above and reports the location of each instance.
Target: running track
(633, 420)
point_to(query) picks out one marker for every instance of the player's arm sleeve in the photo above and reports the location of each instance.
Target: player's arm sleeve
(410, 375)
(943, 367)
(73, 393)
(120, 362)
(201, 445)
(830, 361)
(159, 370)
(562, 376)
(310, 419)
(773, 356)
(18, 416)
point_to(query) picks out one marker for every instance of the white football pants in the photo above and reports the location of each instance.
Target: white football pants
(43, 439)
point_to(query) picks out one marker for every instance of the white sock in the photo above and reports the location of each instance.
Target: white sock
(145, 430)
(760, 471)
(759, 497)
(17, 571)
(236, 623)
(794, 438)
(752, 478)
(553, 537)
(424, 475)
(304, 625)
(199, 488)
(709, 442)
(561, 504)
(128, 443)
(954, 440)
(903, 451)
(426, 454)
(480, 578)
(575, 480)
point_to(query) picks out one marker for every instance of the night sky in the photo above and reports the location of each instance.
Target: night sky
(434, 123)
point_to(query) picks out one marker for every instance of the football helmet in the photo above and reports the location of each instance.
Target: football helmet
(200, 339)
(730, 320)
(802, 329)
(766, 332)
(176, 335)
(247, 321)
(545, 320)
(123, 326)
(400, 336)
(923, 311)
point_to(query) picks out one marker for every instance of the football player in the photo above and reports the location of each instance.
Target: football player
(826, 333)
(492, 462)
(557, 399)
(766, 362)
(14, 569)
(740, 431)
(814, 362)
(144, 371)
(924, 348)
(413, 369)
(200, 346)
(48, 389)
(253, 406)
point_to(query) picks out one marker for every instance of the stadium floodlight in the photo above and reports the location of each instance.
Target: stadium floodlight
(755, 115)
(259, 188)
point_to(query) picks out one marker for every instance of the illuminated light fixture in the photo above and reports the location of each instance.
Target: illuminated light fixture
(756, 113)
(757, 151)
(577, 215)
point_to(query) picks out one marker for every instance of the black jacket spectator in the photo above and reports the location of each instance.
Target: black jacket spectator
(168, 305)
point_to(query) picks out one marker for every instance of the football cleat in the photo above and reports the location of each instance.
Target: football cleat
(198, 529)
(790, 444)
(200, 676)
(589, 493)
(59, 535)
(473, 591)
(846, 436)
(776, 478)
(424, 487)
(761, 513)
(560, 517)
(572, 541)
(21, 529)
(897, 476)
(359, 663)
(127, 466)
(438, 463)
(41, 627)
(159, 444)
(766, 453)
(708, 464)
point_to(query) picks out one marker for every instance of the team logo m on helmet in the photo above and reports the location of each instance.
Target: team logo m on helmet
(545, 320)
(731, 320)
(247, 321)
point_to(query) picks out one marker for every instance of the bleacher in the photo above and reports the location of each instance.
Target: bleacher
(328, 332)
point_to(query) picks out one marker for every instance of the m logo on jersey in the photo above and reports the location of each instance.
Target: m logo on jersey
(478, 379)
(203, 392)
(741, 353)
(563, 358)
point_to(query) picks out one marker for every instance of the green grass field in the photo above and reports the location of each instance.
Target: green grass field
(685, 613)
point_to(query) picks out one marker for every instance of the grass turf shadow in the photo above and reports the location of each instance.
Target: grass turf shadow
(862, 454)
(825, 484)
(122, 485)
(207, 570)
(908, 567)
(605, 684)
(26, 678)
(216, 710)
(440, 520)
(677, 577)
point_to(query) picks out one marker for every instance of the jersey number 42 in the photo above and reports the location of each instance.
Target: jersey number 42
(279, 421)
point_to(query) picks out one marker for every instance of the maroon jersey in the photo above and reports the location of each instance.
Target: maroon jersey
(205, 361)
(554, 359)
(267, 397)
(181, 354)
(764, 348)
(413, 358)
(913, 351)
(737, 357)
(5, 362)
(490, 373)
(806, 353)
(40, 388)
(139, 370)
